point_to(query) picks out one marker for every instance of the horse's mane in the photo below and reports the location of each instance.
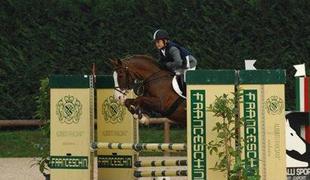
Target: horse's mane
(139, 56)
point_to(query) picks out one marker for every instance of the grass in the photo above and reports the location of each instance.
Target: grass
(21, 143)
(156, 135)
(28, 143)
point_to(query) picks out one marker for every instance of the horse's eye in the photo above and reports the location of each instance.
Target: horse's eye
(292, 134)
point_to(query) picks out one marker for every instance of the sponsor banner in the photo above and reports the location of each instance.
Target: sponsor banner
(297, 148)
(298, 173)
(106, 161)
(251, 131)
(198, 136)
(68, 162)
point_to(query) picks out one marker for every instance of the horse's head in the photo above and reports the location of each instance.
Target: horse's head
(293, 141)
(121, 74)
(131, 70)
(121, 78)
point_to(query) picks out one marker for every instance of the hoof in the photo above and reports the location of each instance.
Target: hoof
(135, 116)
(144, 120)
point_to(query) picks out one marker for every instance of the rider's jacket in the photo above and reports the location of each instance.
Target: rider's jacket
(173, 56)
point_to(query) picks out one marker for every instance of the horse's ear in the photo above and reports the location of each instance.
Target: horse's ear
(287, 122)
(115, 63)
(119, 62)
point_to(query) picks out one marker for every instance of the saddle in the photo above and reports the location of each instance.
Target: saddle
(179, 85)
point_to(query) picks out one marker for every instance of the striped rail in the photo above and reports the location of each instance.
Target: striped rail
(138, 174)
(302, 91)
(141, 146)
(160, 163)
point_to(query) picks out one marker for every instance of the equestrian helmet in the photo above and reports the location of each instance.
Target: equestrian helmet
(160, 34)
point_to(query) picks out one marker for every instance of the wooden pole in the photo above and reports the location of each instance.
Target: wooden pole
(21, 123)
(166, 135)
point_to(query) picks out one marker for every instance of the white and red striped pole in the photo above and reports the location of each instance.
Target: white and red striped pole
(303, 97)
(303, 100)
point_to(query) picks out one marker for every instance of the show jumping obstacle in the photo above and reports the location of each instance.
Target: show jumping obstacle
(298, 132)
(142, 147)
(302, 91)
(161, 163)
(167, 173)
(72, 133)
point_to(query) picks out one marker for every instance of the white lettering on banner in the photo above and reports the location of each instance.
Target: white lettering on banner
(198, 152)
(251, 130)
(198, 110)
(251, 113)
(198, 130)
(199, 96)
(251, 96)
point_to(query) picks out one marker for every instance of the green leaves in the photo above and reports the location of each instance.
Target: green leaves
(228, 144)
(65, 37)
(43, 101)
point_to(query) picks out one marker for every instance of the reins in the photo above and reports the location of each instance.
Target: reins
(146, 80)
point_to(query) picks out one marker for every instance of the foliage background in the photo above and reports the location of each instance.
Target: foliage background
(40, 38)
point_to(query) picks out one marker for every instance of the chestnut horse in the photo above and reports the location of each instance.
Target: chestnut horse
(153, 86)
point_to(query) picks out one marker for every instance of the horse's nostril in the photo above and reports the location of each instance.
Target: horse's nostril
(292, 134)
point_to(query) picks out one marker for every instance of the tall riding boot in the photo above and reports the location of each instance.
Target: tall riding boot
(183, 85)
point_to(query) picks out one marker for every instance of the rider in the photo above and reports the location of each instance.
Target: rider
(173, 56)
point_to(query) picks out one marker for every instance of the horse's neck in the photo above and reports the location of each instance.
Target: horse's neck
(144, 72)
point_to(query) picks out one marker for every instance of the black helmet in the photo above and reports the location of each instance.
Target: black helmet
(160, 34)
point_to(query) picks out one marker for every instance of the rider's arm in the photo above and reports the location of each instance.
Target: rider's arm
(177, 60)
(161, 62)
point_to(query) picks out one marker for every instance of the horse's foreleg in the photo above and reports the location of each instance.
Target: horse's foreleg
(148, 103)
(135, 106)
(129, 103)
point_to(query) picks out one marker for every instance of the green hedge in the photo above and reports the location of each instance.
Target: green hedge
(39, 38)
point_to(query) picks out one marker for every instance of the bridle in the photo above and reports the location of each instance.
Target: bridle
(144, 82)
(127, 74)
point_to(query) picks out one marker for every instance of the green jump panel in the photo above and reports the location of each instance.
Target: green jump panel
(69, 81)
(262, 77)
(202, 76)
(71, 109)
(104, 81)
(263, 110)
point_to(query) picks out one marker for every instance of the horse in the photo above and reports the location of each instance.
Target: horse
(153, 86)
(296, 148)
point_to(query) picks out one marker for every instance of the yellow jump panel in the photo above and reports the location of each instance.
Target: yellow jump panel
(114, 125)
(263, 110)
(71, 128)
(202, 88)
